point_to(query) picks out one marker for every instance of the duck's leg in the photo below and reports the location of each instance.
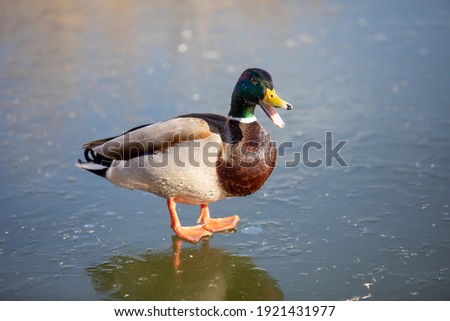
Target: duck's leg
(189, 233)
(216, 224)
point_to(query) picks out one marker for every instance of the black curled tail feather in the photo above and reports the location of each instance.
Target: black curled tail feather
(96, 158)
(95, 162)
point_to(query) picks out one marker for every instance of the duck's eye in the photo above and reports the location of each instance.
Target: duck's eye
(254, 80)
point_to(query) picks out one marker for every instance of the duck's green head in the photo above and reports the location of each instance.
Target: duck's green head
(255, 87)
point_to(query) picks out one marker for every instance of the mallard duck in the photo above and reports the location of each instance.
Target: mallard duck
(196, 159)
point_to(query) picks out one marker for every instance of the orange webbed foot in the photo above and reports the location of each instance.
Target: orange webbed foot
(216, 224)
(191, 233)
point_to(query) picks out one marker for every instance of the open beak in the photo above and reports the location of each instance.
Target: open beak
(271, 101)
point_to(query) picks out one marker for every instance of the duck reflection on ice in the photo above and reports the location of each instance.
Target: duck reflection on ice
(194, 273)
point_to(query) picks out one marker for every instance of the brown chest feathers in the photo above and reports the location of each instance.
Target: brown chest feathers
(247, 160)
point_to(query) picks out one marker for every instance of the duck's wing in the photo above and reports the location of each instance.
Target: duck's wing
(148, 139)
